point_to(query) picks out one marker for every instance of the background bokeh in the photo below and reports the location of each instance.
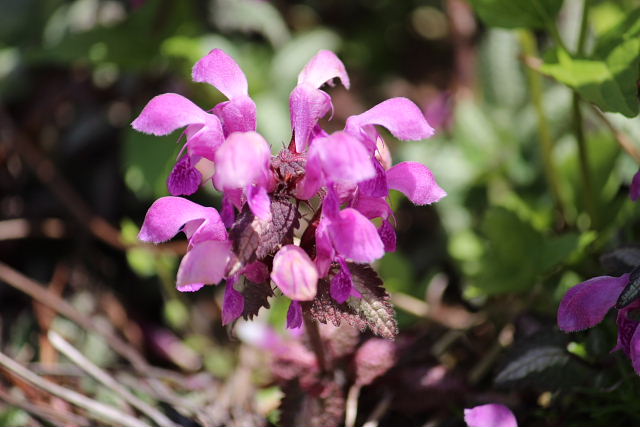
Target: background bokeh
(476, 279)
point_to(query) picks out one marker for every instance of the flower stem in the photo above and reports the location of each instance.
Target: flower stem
(311, 327)
(530, 49)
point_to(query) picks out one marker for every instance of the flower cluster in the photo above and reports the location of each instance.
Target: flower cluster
(338, 184)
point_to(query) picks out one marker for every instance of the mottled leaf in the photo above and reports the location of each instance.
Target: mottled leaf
(321, 406)
(631, 292)
(254, 238)
(373, 310)
(256, 296)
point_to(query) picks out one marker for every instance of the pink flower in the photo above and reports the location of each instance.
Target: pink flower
(490, 415)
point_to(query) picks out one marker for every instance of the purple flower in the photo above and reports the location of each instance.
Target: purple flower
(349, 172)
(586, 305)
(634, 192)
(490, 415)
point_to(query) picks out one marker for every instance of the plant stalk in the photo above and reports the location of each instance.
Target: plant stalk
(313, 332)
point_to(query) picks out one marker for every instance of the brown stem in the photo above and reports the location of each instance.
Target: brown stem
(311, 326)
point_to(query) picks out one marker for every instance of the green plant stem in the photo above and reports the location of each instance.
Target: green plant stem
(530, 48)
(582, 38)
(583, 158)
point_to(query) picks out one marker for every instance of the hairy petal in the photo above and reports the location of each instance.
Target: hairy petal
(168, 215)
(204, 263)
(237, 115)
(343, 158)
(294, 315)
(400, 116)
(324, 248)
(241, 161)
(586, 304)
(322, 68)
(355, 237)
(222, 72)
(416, 181)
(491, 415)
(376, 186)
(184, 179)
(168, 112)
(294, 273)
(342, 283)
(312, 181)
(232, 304)
(372, 207)
(388, 236)
(204, 140)
(259, 202)
(308, 105)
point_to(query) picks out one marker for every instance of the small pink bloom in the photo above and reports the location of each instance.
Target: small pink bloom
(341, 284)
(294, 273)
(205, 262)
(416, 181)
(233, 303)
(242, 160)
(355, 237)
(342, 158)
(491, 415)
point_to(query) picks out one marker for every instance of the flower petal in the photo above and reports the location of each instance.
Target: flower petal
(294, 315)
(222, 72)
(204, 140)
(586, 304)
(294, 273)
(376, 186)
(257, 272)
(241, 161)
(259, 202)
(416, 181)
(341, 283)
(237, 115)
(324, 248)
(192, 287)
(167, 215)
(322, 68)
(343, 158)
(634, 192)
(401, 116)
(634, 350)
(388, 236)
(308, 105)
(355, 237)
(168, 112)
(184, 178)
(232, 303)
(372, 207)
(627, 326)
(204, 263)
(491, 415)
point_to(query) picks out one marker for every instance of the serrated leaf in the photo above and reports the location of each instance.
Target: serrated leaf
(254, 238)
(609, 78)
(256, 296)
(631, 292)
(375, 305)
(517, 13)
(621, 260)
(541, 360)
(324, 407)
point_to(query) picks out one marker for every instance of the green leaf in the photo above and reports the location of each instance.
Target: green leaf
(517, 254)
(609, 78)
(517, 13)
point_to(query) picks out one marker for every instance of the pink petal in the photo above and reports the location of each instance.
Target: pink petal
(232, 303)
(343, 158)
(491, 415)
(312, 181)
(400, 116)
(634, 352)
(372, 207)
(634, 192)
(416, 181)
(259, 202)
(206, 262)
(241, 161)
(324, 248)
(222, 72)
(341, 283)
(294, 273)
(237, 115)
(168, 215)
(192, 287)
(257, 272)
(184, 178)
(627, 326)
(228, 213)
(294, 315)
(168, 112)
(204, 140)
(388, 236)
(308, 105)
(376, 186)
(586, 304)
(322, 68)
(355, 237)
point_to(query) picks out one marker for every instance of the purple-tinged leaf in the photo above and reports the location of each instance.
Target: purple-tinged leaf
(323, 406)
(255, 238)
(256, 296)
